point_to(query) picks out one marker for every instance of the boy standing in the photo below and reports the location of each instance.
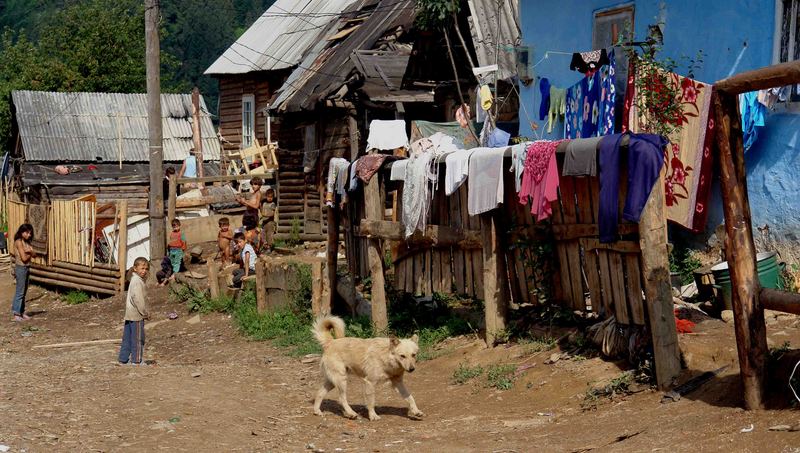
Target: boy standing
(248, 255)
(177, 247)
(136, 312)
(251, 204)
(224, 238)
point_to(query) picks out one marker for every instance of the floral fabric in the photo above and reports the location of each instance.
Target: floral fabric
(590, 104)
(689, 158)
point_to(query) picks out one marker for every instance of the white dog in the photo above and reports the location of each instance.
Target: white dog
(376, 360)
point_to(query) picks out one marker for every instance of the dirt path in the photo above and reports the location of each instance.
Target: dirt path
(248, 397)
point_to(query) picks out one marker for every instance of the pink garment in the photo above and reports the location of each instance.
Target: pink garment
(540, 178)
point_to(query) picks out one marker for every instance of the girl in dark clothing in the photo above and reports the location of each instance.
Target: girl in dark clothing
(24, 253)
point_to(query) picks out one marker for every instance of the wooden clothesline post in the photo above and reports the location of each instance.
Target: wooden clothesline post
(373, 204)
(495, 279)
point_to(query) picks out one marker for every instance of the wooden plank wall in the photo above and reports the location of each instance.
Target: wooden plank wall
(586, 275)
(231, 90)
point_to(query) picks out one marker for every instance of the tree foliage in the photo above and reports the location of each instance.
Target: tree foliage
(434, 14)
(98, 45)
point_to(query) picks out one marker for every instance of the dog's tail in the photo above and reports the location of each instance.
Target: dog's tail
(322, 329)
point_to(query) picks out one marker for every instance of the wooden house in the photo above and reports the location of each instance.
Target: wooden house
(101, 140)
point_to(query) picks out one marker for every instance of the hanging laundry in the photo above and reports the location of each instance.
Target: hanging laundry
(353, 185)
(398, 170)
(387, 134)
(518, 153)
(585, 62)
(544, 107)
(753, 113)
(485, 189)
(368, 165)
(335, 165)
(456, 169)
(689, 159)
(343, 180)
(558, 104)
(498, 138)
(608, 95)
(540, 178)
(580, 158)
(420, 180)
(486, 97)
(645, 159)
(480, 114)
(486, 132)
(462, 137)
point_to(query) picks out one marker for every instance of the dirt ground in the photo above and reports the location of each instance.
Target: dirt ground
(213, 390)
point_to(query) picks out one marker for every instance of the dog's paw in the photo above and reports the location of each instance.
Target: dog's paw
(417, 414)
(351, 415)
(374, 417)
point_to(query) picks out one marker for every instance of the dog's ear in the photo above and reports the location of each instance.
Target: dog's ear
(393, 342)
(415, 338)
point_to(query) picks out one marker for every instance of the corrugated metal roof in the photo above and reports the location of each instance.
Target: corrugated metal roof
(326, 66)
(87, 126)
(485, 34)
(280, 37)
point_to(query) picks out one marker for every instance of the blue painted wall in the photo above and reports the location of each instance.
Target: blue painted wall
(734, 35)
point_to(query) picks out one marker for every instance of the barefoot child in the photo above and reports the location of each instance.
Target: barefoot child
(177, 247)
(248, 255)
(224, 238)
(269, 222)
(136, 313)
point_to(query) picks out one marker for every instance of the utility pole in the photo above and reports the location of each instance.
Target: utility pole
(197, 136)
(153, 57)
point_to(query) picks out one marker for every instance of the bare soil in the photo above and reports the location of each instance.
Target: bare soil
(247, 396)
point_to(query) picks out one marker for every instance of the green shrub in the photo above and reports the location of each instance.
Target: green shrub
(294, 233)
(465, 373)
(501, 376)
(76, 297)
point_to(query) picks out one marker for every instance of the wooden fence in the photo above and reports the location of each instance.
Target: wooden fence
(504, 256)
(68, 258)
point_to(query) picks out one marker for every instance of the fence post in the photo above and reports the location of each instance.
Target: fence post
(495, 289)
(658, 293)
(261, 286)
(748, 313)
(373, 205)
(213, 279)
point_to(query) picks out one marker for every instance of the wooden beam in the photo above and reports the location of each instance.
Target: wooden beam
(66, 284)
(261, 286)
(773, 299)
(618, 246)
(332, 255)
(748, 314)
(436, 235)
(213, 279)
(62, 276)
(373, 205)
(202, 201)
(658, 293)
(495, 290)
(196, 132)
(171, 198)
(588, 230)
(78, 343)
(122, 253)
(316, 288)
(760, 79)
(268, 174)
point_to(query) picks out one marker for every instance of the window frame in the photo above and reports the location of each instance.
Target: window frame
(251, 99)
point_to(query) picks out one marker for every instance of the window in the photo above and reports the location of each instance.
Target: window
(248, 120)
(609, 25)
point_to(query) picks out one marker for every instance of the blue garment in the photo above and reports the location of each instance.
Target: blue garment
(22, 274)
(498, 138)
(191, 166)
(176, 259)
(544, 107)
(645, 159)
(132, 348)
(608, 95)
(752, 117)
(590, 104)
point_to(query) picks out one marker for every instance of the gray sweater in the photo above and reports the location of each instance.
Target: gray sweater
(136, 302)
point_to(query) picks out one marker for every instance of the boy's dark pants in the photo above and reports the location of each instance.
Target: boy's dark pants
(132, 347)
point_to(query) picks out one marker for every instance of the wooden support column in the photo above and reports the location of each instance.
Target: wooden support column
(172, 198)
(373, 205)
(495, 289)
(197, 136)
(122, 253)
(261, 286)
(332, 259)
(658, 293)
(740, 251)
(213, 279)
(316, 288)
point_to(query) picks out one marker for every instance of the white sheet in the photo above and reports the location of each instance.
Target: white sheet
(485, 180)
(386, 135)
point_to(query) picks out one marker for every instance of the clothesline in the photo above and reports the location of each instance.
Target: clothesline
(547, 55)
